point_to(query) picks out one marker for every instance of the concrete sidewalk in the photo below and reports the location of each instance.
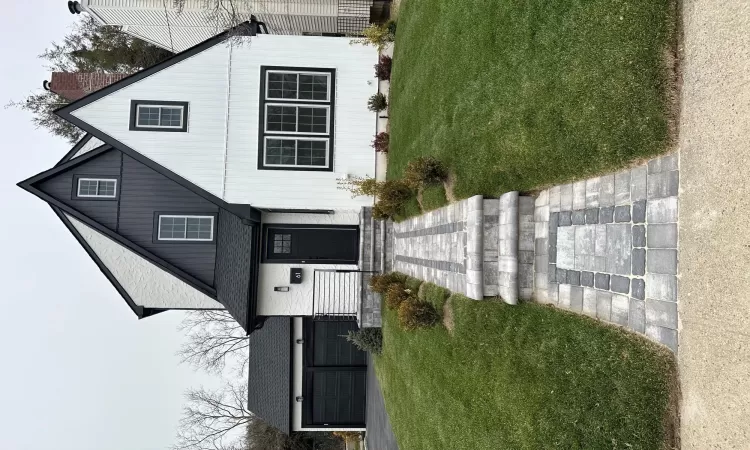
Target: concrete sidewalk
(714, 290)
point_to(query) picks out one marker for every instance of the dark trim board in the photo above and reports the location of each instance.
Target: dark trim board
(262, 117)
(84, 140)
(134, 104)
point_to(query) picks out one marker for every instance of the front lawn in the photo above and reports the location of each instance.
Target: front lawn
(519, 95)
(523, 377)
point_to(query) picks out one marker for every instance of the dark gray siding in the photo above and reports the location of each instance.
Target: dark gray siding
(268, 394)
(61, 187)
(234, 266)
(144, 193)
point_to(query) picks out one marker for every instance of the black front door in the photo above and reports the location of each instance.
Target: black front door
(311, 244)
(334, 376)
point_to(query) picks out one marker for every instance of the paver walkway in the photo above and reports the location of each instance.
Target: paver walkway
(714, 358)
(607, 247)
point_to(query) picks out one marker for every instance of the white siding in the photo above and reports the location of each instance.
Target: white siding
(197, 154)
(92, 144)
(354, 123)
(147, 284)
(299, 300)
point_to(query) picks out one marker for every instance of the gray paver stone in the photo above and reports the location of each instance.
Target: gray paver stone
(620, 284)
(576, 298)
(664, 184)
(607, 214)
(540, 246)
(607, 190)
(566, 247)
(639, 236)
(620, 307)
(669, 162)
(574, 277)
(663, 335)
(638, 288)
(661, 287)
(554, 221)
(564, 297)
(579, 194)
(638, 184)
(603, 305)
(639, 261)
(552, 249)
(654, 166)
(562, 275)
(639, 211)
(622, 188)
(661, 261)
(552, 273)
(660, 313)
(619, 248)
(579, 217)
(589, 302)
(662, 235)
(663, 210)
(554, 199)
(587, 279)
(592, 193)
(601, 281)
(566, 197)
(566, 218)
(592, 215)
(622, 213)
(637, 315)
(553, 292)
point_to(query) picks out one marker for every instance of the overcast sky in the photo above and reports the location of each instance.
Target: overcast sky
(79, 370)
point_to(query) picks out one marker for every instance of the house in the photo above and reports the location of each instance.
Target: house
(210, 180)
(177, 28)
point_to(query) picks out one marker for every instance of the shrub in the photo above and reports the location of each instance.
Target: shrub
(425, 170)
(380, 144)
(377, 102)
(383, 67)
(367, 339)
(377, 35)
(395, 295)
(414, 314)
(380, 283)
(379, 212)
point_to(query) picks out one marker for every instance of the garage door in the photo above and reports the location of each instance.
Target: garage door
(334, 376)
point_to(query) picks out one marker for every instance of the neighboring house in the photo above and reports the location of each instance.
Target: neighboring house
(210, 180)
(161, 23)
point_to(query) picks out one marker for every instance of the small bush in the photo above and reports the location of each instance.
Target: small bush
(378, 35)
(415, 314)
(377, 102)
(380, 283)
(367, 339)
(380, 144)
(425, 170)
(383, 67)
(380, 213)
(395, 295)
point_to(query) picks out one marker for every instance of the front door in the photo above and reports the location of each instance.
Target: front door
(334, 376)
(311, 244)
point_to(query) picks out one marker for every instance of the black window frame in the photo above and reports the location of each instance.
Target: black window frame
(155, 232)
(330, 104)
(134, 104)
(74, 189)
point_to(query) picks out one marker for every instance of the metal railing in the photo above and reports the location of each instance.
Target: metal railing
(338, 294)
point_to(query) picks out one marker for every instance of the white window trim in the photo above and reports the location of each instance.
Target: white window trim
(78, 188)
(298, 106)
(325, 74)
(158, 232)
(156, 105)
(296, 140)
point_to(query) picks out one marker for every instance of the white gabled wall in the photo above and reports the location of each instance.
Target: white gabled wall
(198, 154)
(92, 144)
(299, 300)
(354, 126)
(147, 284)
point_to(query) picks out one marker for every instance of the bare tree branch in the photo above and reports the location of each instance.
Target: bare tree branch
(214, 339)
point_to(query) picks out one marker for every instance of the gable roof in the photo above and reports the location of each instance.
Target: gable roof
(85, 145)
(269, 382)
(66, 112)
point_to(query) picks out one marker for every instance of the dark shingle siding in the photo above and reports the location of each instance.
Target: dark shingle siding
(269, 371)
(234, 265)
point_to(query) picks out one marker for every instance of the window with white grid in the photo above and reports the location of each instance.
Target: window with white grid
(97, 187)
(186, 228)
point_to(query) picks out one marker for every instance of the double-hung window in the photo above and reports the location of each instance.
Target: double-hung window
(172, 227)
(96, 188)
(296, 118)
(154, 115)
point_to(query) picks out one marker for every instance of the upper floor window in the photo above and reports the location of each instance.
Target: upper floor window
(154, 115)
(96, 187)
(185, 228)
(296, 118)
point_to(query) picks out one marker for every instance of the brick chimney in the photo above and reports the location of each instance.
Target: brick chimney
(73, 86)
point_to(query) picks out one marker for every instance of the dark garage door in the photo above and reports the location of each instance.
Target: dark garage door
(335, 376)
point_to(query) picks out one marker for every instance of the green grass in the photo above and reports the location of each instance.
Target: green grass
(410, 209)
(523, 377)
(433, 197)
(434, 294)
(519, 95)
